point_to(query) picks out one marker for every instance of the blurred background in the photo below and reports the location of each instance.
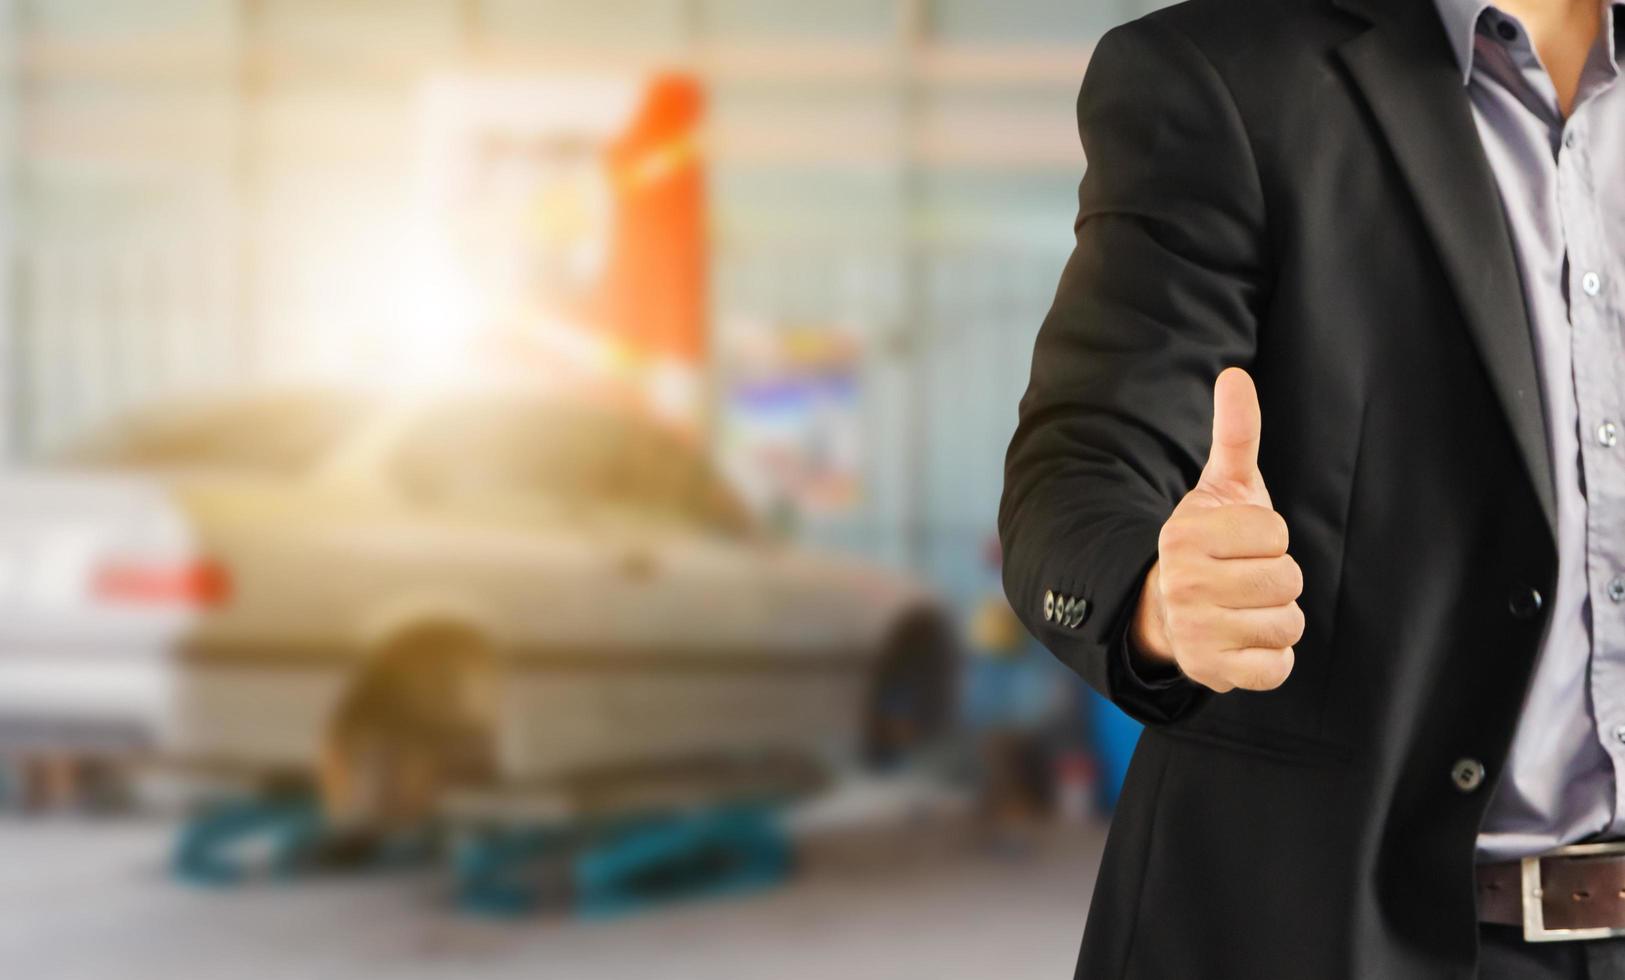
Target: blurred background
(505, 488)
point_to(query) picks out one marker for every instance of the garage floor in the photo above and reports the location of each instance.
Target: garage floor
(88, 900)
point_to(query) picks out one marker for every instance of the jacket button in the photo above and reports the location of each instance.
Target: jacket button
(1049, 606)
(1524, 602)
(1078, 613)
(1467, 774)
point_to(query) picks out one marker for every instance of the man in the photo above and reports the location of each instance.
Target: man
(1368, 593)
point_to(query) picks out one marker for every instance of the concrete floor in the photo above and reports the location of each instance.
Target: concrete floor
(90, 900)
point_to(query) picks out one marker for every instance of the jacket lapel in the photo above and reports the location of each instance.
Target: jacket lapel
(1413, 84)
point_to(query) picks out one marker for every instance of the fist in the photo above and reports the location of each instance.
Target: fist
(1221, 600)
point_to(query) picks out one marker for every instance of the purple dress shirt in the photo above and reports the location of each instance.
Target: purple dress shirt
(1562, 188)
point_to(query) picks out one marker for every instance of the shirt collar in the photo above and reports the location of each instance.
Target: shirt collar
(1460, 24)
(1461, 19)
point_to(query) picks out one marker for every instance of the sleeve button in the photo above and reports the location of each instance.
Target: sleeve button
(1467, 774)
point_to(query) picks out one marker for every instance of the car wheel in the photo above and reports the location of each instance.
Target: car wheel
(419, 721)
(911, 692)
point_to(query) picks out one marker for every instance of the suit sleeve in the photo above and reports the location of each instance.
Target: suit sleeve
(1160, 294)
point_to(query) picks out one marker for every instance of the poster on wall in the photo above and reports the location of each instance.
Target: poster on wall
(565, 238)
(791, 421)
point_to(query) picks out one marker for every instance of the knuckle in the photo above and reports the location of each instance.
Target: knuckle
(1279, 536)
(1200, 673)
(1294, 577)
(1260, 679)
(1295, 623)
(1188, 625)
(1175, 536)
(1260, 583)
(1238, 521)
(1270, 673)
(1282, 668)
(1279, 634)
(1282, 629)
(1180, 634)
(1179, 586)
(1256, 679)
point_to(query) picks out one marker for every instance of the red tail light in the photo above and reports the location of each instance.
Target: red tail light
(195, 583)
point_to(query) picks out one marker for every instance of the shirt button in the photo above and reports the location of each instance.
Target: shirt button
(1619, 733)
(1569, 139)
(1467, 774)
(1608, 434)
(1616, 589)
(1524, 603)
(1591, 283)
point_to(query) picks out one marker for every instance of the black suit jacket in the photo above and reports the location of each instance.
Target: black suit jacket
(1297, 187)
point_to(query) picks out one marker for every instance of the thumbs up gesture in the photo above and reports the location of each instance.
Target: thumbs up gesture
(1221, 600)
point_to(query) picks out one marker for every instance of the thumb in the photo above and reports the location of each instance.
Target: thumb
(1233, 459)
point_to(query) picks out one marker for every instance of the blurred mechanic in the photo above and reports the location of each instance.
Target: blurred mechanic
(1369, 592)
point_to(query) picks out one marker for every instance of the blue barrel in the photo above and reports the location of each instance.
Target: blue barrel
(1114, 735)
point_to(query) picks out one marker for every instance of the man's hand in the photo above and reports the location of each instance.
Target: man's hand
(1221, 600)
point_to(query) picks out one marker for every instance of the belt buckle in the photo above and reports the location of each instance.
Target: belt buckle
(1534, 917)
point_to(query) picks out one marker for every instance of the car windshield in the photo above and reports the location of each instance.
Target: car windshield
(280, 434)
(474, 448)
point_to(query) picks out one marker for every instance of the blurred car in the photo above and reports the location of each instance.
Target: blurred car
(400, 592)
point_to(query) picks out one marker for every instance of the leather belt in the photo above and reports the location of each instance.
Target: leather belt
(1575, 892)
